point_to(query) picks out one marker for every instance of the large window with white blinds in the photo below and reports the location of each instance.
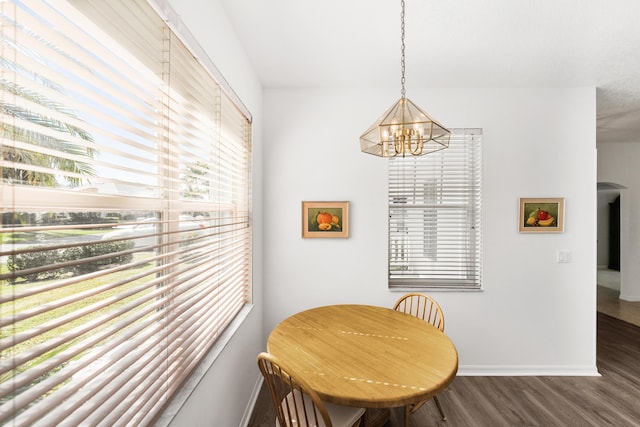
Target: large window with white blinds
(435, 239)
(125, 247)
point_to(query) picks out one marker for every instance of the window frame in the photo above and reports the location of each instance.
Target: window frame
(443, 187)
(177, 252)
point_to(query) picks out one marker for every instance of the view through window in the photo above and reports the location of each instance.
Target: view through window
(125, 247)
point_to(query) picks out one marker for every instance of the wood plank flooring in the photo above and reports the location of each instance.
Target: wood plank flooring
(610, 400)
(609, 302)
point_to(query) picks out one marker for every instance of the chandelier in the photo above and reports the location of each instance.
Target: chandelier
(404, 128)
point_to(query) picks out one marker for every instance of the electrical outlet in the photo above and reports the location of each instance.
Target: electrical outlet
(564, 256)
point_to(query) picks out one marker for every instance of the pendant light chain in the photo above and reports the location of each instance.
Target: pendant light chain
(404, 129)
(402, 92)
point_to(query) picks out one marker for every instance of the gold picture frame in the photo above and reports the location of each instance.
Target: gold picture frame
(541, 215)
(325, 219)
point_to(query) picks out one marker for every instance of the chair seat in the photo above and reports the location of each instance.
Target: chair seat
(341, 416)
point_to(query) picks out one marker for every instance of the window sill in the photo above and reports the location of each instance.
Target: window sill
(191, 383)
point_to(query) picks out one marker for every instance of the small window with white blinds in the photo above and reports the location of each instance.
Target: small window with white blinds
(125, 246)
(435, 239)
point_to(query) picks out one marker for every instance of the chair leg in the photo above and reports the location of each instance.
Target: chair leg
(435, 399)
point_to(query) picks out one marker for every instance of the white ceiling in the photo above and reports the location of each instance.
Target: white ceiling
(453, 43)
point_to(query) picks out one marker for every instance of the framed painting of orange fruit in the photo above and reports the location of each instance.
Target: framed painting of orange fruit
(542, 215)
(325, 219)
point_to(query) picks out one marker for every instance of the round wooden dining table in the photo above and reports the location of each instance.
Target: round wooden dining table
(366, 356)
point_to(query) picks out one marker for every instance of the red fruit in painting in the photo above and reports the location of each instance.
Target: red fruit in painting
(543, 214)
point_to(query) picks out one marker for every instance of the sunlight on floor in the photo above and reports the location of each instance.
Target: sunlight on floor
(609, 301)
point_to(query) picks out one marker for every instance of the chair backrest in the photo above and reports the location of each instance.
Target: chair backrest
(423, 307)
(297, 405)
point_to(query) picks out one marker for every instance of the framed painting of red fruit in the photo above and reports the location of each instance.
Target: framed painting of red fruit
(542, 215)
(325, 219)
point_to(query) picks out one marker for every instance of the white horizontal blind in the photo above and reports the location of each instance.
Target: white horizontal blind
(125, 247)
(435, 228)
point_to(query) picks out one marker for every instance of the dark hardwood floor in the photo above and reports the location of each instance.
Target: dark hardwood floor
(610, 400)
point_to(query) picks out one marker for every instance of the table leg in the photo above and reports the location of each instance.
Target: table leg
(377, 417)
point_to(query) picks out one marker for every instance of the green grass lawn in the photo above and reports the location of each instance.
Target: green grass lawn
(32, 324)
(43, 236)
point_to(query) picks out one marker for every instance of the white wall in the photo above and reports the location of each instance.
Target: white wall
(224, 393)
(618, 162)
(535, 316)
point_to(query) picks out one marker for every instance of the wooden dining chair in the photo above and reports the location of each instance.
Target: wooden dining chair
(427, 309)
(297, 405)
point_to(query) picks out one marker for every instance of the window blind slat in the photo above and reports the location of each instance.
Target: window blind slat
(126, 228)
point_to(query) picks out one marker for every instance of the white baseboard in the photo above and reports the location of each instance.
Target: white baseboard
(525, 370)
(630, 298)
(244, 422)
